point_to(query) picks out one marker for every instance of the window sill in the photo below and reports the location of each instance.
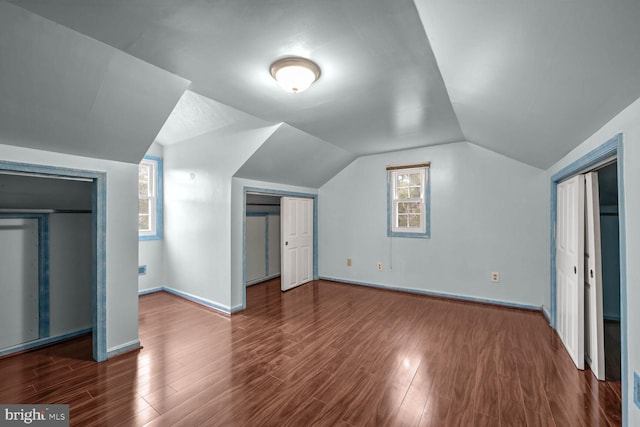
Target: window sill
(425, 235)
(151, 237)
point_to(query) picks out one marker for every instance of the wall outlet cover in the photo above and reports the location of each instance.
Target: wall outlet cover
(142, 269)
(379, 266)
(636, 389)
(348, 262)
(495, 277)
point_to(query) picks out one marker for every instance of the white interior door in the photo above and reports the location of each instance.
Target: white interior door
(296, 216)
(18, 281)
(594, 338)
(570, 267)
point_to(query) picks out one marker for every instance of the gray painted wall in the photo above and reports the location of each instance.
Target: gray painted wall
(70, 272)
(262, 237)
(488, 213)
(198, 175)
(18, 281)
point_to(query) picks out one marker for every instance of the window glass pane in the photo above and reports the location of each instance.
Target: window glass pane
(414, 220)
(144, 172)
(414, 179)
(143, 206)
(403, 193)
(143, 223)
(402, 220)
(402, 208)
(414, 192)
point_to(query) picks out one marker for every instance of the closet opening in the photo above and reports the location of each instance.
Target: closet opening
(52, 255)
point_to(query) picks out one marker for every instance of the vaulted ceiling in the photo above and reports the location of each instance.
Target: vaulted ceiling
(527, 79)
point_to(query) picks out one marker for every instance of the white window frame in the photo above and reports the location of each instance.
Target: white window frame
(423, 230)
(155, 198)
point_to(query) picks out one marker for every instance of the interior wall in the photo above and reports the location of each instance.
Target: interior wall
(70, 273)
(627, 123)
(151, 252)
(197, 234)
(262, 236)
(237, 238)
(488, 214)
(256, 252)
(121, 239)
(19, 281)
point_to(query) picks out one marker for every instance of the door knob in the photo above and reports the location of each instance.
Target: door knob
(286, 243)
(575, 270)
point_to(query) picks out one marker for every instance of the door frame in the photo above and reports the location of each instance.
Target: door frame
(99, 231)
(274, 192)
(613, 148)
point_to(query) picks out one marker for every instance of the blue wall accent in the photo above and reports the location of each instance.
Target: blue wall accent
(99, 225)
(159, 200)
(244, 232)
(611, 148)
(437, 294)
(43, 269)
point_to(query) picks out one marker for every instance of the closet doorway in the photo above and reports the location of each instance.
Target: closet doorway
(54, 220)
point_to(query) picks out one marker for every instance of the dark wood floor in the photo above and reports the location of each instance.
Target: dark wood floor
(322, 354)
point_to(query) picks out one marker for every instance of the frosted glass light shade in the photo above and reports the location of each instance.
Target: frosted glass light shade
(295, 74)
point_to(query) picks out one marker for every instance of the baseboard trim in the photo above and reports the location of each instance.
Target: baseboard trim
(33, 345)
(202, 301)
(261, 280)
(436, 294)
(150, 290)
(124, 348)
(546, 314)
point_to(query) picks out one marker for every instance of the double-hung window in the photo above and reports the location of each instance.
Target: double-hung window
(150, 198)
(408, 199)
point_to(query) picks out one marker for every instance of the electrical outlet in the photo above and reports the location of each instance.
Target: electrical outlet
(379, 266)
(636, 389)
(348, 262)
(142, 270)
(495, 277)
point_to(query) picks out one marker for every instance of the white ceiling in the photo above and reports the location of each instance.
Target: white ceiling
(528, 79)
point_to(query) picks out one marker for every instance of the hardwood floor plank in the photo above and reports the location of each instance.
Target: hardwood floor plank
(324, 353)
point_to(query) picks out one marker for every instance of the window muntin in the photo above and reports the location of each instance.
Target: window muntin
(408, 194)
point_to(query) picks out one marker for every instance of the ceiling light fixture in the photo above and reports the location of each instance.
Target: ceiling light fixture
(295, 74)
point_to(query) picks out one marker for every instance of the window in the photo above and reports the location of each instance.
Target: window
(408, 196)
(150, 198)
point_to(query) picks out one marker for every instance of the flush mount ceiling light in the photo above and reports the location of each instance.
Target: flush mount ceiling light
(295, 74)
